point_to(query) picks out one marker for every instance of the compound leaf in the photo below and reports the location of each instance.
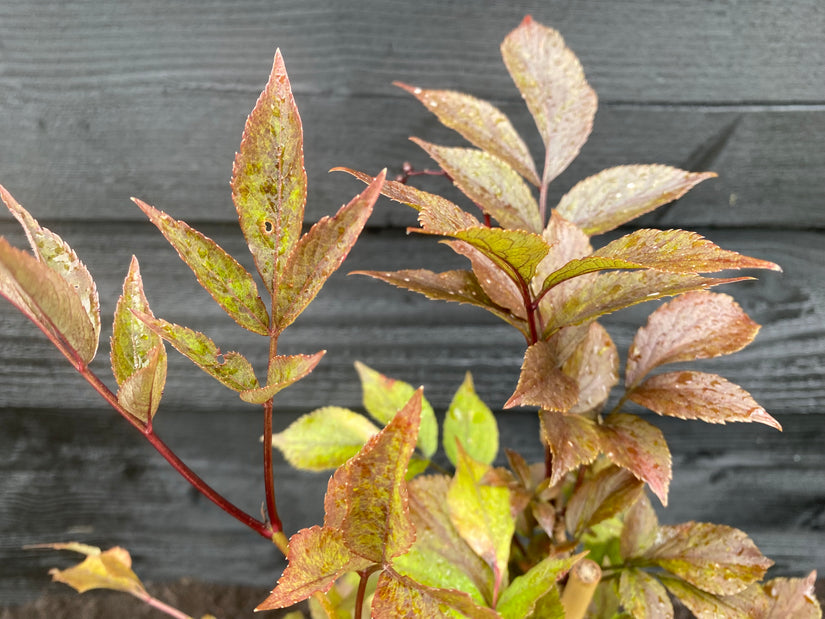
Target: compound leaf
(470, 421)
(697, 395)
(552, 82)
(324, 439)
(232, 286)
(616, 195)
(284, 370)
(269, 183)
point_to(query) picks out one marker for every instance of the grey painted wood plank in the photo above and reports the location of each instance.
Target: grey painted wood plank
(633, 50)
(81, 155)
(403, 334)
(86, 476)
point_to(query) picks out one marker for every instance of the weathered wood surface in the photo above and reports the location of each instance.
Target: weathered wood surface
(101, 100)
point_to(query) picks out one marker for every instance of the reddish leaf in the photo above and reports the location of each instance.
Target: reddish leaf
(610, 292)
(643, 596)
(284, 370)
(46, 298)
(552, 82)
(269, 183)
(481, 124)
(698, 325)
(715, 558)
(639, 528)
(53, 251)
(573, 440)
(141, 392)
(594, 366)
(399, 596)
(515, 251)
(792, 597)
(317, 557)
(541, 383)
(376, 524)
(636, 445)
(489, 182)
(614, 196)
(320, 252)
(231, 369)
(607, 493)
(696, 395)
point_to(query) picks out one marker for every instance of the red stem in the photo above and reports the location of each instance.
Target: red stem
(362, 590)
(269, 477)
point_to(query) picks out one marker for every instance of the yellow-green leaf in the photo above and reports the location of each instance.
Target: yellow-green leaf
(110, 569)
(431, 568)
(480, 123)
(706, 605)
(517, 252)
(616, 195)
(231, 369)
(284, 370)
(399, 596)
(324, 439)
(232, 286)
(519, 599)
(46, 298)
(383, 397)
(52, 250)
(269, 183)
(470, 421)
(320, 252)
(489, 182)
(552, 82)
(643, 596)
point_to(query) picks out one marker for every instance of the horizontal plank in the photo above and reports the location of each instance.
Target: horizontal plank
(86, 476)
(632, 50)
(403, 334)
(79, 155)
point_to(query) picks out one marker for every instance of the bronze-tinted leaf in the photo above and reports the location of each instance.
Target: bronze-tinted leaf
(552, 82)
(639, 528)
(516, 251)
(614, 196)
(141, 392)
(594, 366)
(317, 556)
(640, 447)
(615, 290)
(231, 369)
(46, 298)
(792, 597)
(698, 325)
(715, 558)
(232, 286)
(541, 383)
(706, 605)
(697, 395)
(481, 124)
(399, 596)
(643, 596)
(573, 440)
(320, 252)
(284, 370)
(269, 183)
(52, 250)
(607, 493)
(490, 183)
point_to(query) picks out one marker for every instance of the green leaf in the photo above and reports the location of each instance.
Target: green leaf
(399, 596)
(573, 440)
(481, 124)
(110, 569)
(231, 369)
(697, 395)
(609, 492)
(470, 421)
(320, 252)
(519, 599)
(324, 439)
(481, 515)
(45, 297)
(552, 82)
(376, 522)
(490, 183)
(269, 183)
(541, 383)
(643, 596)
(713, 557)
(317, 556)
(617, 195)
(232, 287)
(383, 397)
(517, 252)
(284, 370)
(610, 292)
(53, 251)
(698, 325)
(640, 447)
(792, 597)
(431, 568)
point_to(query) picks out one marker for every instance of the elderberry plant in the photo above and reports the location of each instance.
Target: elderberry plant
(572, 536)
